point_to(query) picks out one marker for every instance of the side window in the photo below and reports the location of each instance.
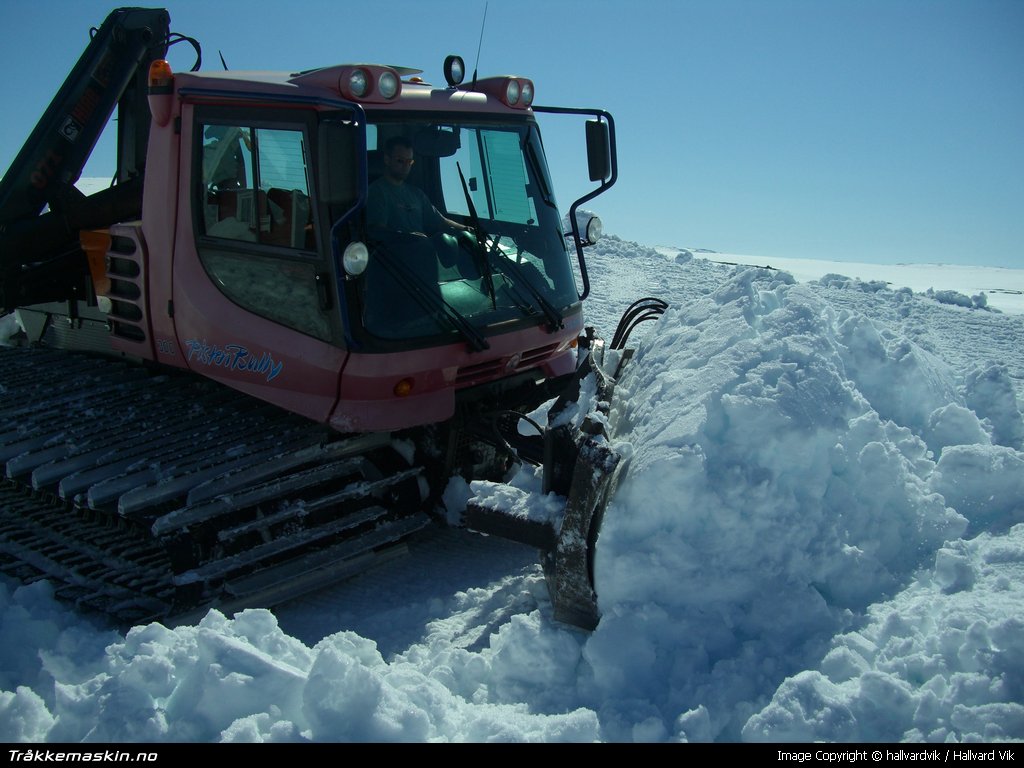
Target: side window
(255, 190)
(227, 157)
(228, 182)
(256, 186)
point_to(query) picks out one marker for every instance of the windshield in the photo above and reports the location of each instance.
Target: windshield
(463, 230)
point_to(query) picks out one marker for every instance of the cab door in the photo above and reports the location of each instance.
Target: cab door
(254, 306)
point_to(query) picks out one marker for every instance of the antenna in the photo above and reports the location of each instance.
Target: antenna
(480, 44)
(224, 63)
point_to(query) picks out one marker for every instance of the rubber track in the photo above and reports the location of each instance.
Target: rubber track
(148, 496)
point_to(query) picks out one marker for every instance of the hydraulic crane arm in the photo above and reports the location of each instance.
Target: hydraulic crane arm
(112, 72)
(113, 69)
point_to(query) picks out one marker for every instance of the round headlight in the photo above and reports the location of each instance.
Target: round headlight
(594, 230)
(355, 258)
(388, 85)
(512, 92)
(358, 82)
(454, 70)
(527, 93)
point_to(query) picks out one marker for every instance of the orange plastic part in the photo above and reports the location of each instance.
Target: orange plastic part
(96, 244)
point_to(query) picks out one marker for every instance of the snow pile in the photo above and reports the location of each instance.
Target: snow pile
(995, 288)
(780, 483)
(613, 247)
(241, 679)
(819, 537)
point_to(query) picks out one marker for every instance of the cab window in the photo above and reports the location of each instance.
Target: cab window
(257, 185)
(255, 222)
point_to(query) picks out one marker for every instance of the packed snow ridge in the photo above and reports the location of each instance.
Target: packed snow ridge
(820, 536)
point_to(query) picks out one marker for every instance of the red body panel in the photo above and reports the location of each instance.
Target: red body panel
(222, 341)
(164, 196)
(368, 401)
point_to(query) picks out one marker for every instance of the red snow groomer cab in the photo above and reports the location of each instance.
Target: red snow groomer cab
(299, 268)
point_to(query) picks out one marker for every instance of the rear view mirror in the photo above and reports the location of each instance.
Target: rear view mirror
(436, 142)
(598, 156)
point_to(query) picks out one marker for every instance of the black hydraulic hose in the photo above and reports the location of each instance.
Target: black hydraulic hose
(176, 37)
(648, 308)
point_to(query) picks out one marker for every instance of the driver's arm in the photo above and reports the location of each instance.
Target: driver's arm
(455, 225)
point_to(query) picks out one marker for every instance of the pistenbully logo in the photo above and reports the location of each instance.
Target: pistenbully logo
(234, 357)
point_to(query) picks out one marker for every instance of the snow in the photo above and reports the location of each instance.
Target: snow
(1001, 286)
(819, 537)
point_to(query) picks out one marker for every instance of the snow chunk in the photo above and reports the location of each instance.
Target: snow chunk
(985, 483)
(9, 327)
(921, 670)
(23, 716)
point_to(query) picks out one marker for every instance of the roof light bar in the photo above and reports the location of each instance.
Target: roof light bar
(369, 83)
(515, 92)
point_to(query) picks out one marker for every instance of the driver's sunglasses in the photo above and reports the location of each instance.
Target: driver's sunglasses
(403, 160)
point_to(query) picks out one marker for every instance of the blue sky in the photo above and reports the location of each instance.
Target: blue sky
(877, 130)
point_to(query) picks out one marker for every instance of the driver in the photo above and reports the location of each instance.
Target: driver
(395, 206)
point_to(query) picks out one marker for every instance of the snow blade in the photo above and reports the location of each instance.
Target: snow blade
(566, 539)
(582, 469)
(569, 567)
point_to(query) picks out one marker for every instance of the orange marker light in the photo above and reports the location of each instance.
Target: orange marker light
(161, 90)
(403, 388)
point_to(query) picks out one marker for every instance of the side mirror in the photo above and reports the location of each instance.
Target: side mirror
(598, 154)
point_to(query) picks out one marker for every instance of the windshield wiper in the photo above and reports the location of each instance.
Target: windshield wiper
(504, 265)
(430, 301)
(510, 269)
(481, 263)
